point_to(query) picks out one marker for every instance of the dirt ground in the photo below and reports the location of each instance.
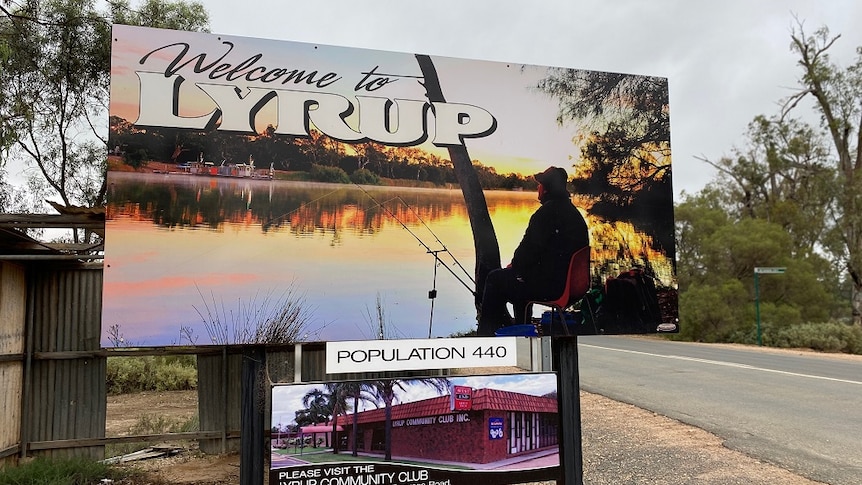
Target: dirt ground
(189, 467)
(126, 410)
(622, 444)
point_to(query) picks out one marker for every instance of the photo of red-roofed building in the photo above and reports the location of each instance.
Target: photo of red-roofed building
(499, 425)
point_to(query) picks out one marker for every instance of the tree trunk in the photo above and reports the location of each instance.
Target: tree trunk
(852, 222)
(335, 432)
(388, 428)
(830, 87)
(856, 302)
(355, 431)
(484, 237)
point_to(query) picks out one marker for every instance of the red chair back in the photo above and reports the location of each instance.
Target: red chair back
(577, 280)
(579, 276)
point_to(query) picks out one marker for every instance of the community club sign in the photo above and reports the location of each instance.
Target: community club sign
(442, 419)
(240, 87)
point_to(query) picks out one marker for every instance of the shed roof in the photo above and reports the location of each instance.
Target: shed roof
(16, 244)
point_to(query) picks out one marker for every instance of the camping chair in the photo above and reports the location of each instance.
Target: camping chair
(577, 286)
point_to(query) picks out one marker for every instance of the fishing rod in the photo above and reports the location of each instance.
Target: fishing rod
(427, 248)
(433, 293)
(422, 243)
(445, 249)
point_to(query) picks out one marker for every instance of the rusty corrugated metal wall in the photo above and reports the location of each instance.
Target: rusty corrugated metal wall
(64, 391)
(219, 400)
(13, 295)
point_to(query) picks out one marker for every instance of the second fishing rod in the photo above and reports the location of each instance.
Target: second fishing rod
(428, 249)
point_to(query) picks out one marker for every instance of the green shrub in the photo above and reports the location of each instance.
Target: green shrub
(747, 336)
(323, 173)
(136, 374)
(365, 177)
(74, 471)
(825, 337)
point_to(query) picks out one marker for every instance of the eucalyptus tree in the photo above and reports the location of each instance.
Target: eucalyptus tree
(162, 14)
(484, 236)
(772, 203)
(837, 95)
(54, 87)
(717, 256)
(782, 174)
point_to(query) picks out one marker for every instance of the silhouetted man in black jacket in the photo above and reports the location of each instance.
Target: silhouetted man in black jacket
(541, 261)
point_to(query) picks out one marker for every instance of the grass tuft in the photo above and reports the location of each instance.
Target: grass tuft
(152, 424)
(70, 471)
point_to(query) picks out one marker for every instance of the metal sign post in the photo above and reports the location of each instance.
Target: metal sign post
(759, 271)
(565, 354)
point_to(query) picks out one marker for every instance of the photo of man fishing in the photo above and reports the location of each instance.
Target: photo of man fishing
(275, 191)
(540, 265)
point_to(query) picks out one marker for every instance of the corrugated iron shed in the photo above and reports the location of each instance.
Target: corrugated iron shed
(57, 289)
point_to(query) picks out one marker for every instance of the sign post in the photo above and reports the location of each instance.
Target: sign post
(759, 271)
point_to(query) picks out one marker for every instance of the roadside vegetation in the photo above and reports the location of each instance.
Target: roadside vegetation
(834, 337)
(824, 337)
(74, 471)
(138, 374)
(787, 196)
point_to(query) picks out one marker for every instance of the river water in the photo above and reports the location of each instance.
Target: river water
(184, 249)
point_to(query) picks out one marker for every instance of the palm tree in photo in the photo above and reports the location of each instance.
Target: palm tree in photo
(385, 391)
(318, 408)
(337, 393)
(359, 391)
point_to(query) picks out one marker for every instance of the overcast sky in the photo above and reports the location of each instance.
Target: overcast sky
(726, 61)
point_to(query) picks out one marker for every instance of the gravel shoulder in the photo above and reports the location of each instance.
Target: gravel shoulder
(623, 444)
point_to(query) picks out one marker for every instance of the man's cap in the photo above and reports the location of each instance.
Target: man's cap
(553, 178)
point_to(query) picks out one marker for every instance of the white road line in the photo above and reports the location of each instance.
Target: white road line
(725, 364)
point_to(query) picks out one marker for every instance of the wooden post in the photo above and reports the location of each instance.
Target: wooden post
(565, 350)
(251, 458)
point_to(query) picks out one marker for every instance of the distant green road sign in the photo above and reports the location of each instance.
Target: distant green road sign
(760, 271)
(768, 270)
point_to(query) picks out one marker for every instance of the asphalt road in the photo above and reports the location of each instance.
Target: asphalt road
(800, 411)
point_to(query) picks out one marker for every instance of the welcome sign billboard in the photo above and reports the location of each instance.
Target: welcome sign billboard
(310, 190)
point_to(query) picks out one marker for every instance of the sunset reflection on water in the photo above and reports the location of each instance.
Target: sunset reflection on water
(176, 241)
